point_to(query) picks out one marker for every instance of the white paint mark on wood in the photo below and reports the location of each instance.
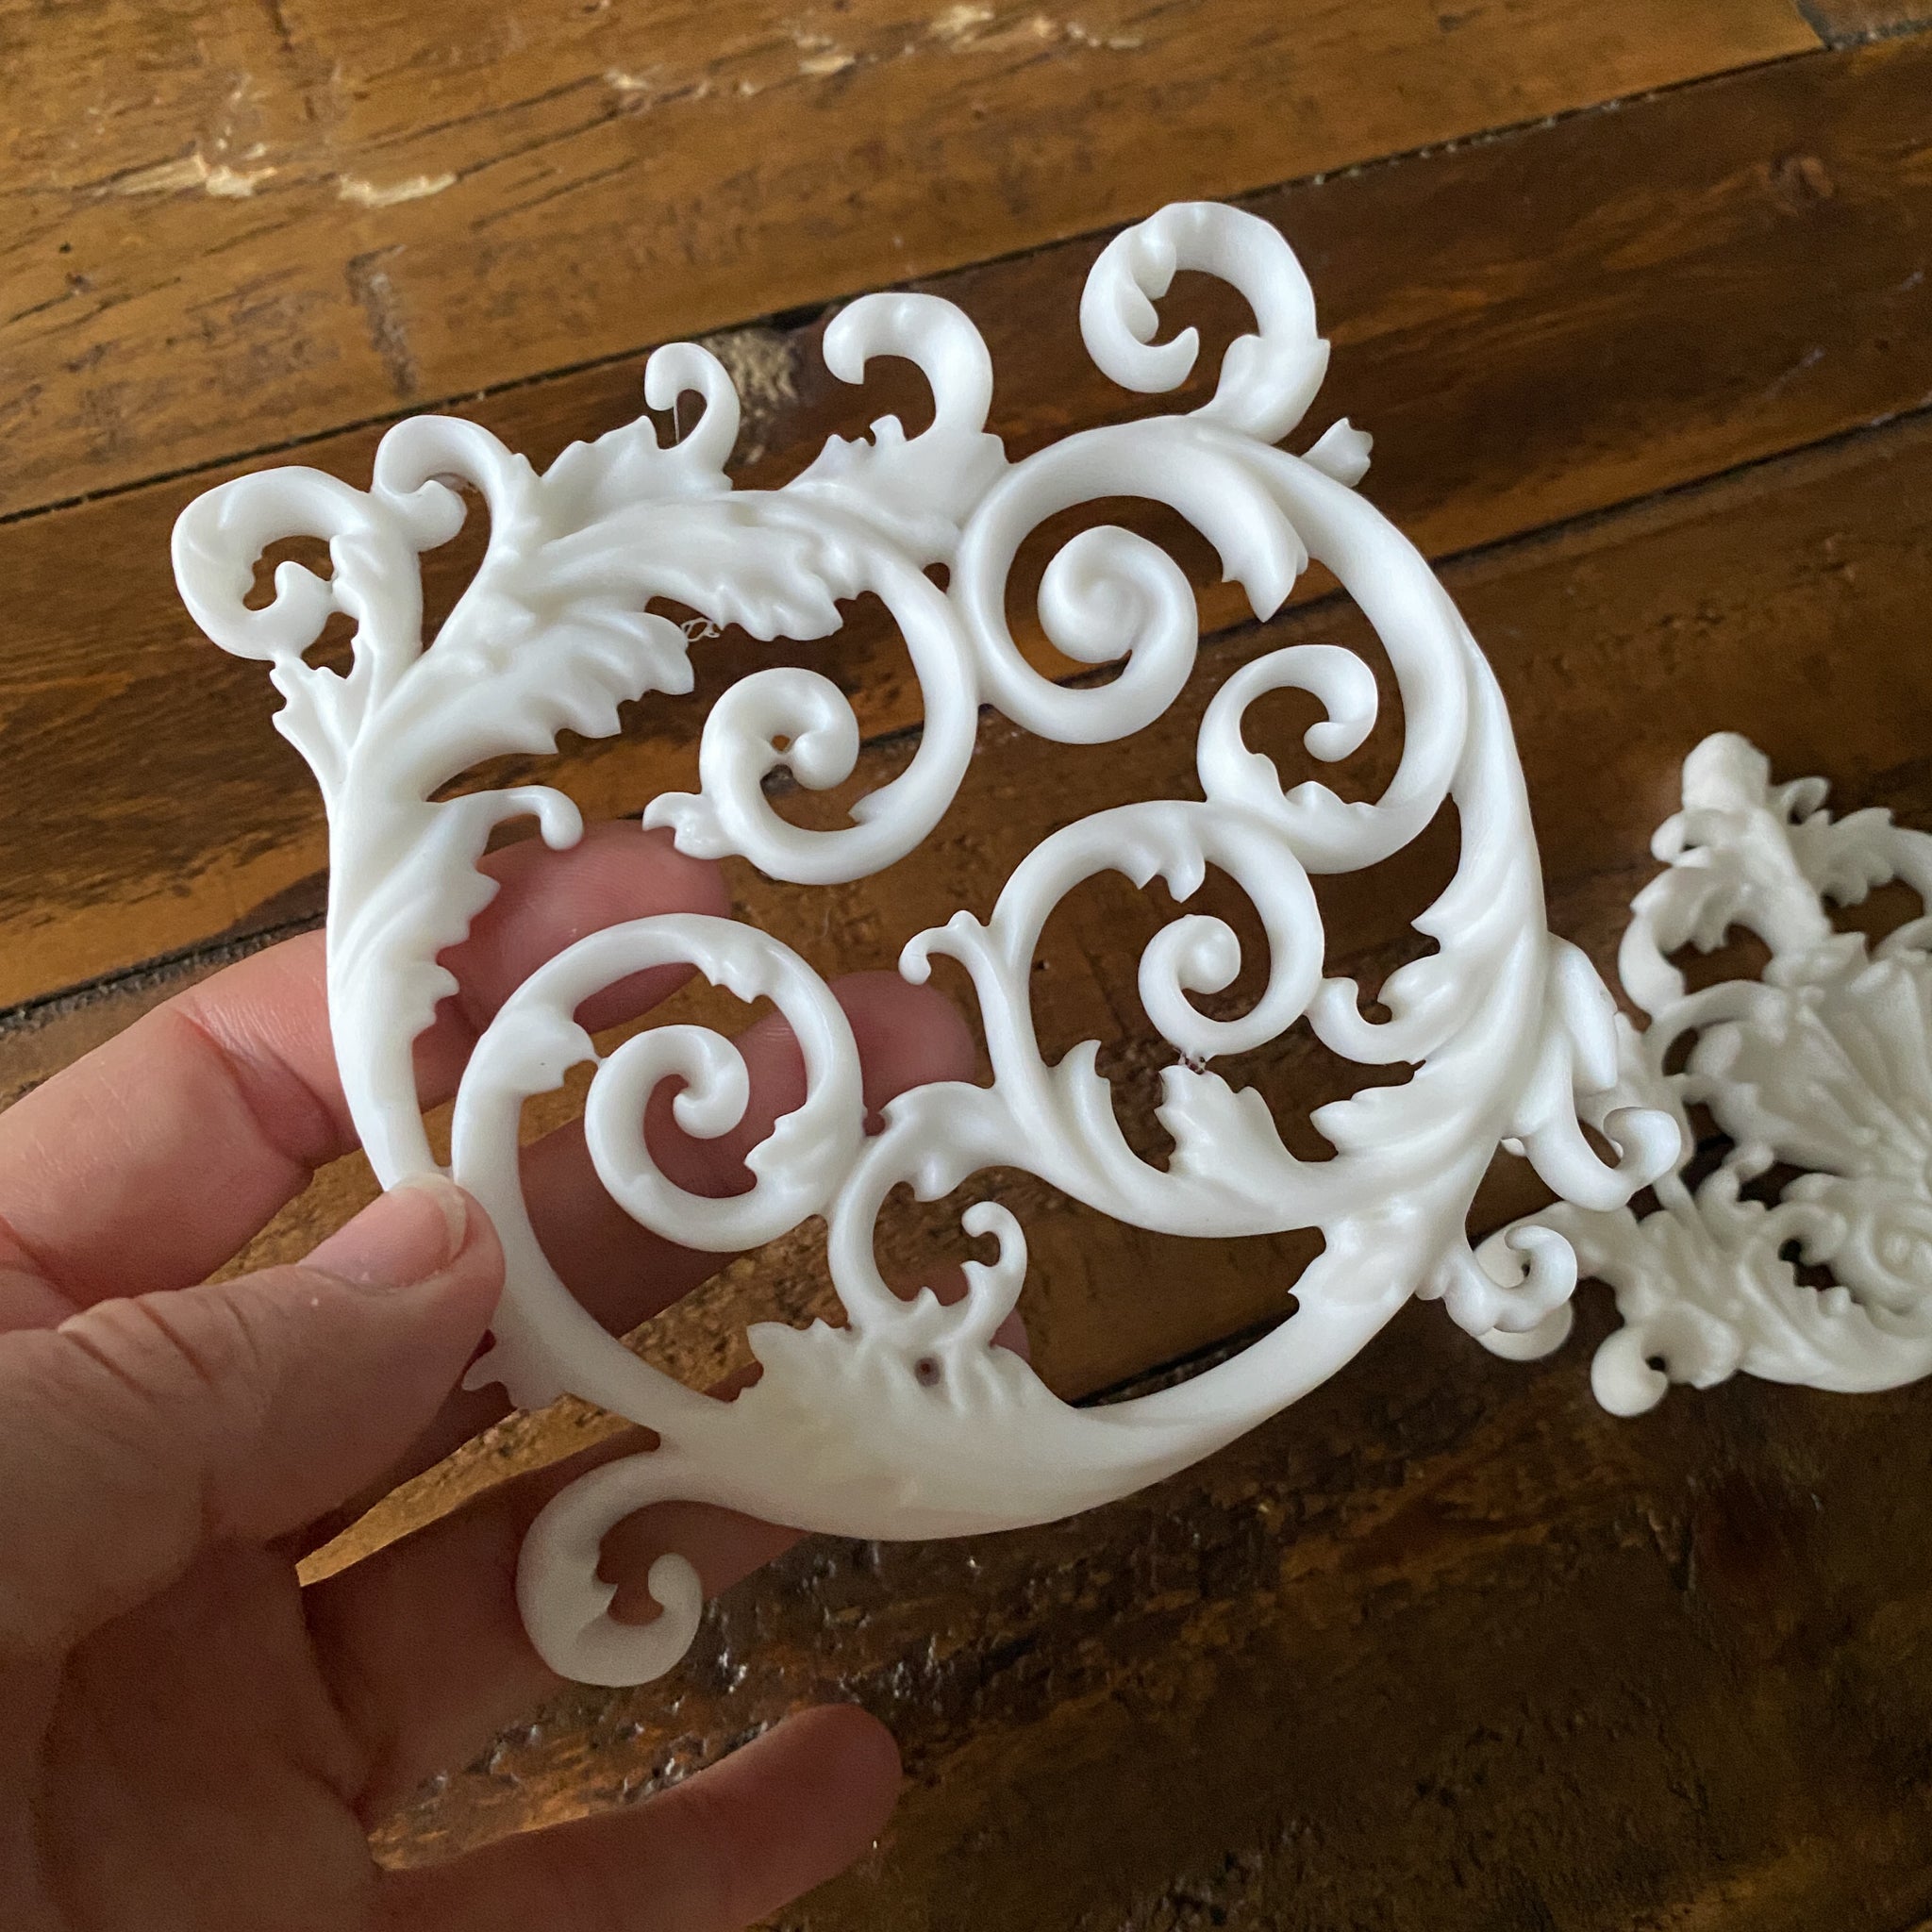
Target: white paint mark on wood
(190, 174)
(980, 29)
(387, 193)
(956, 25)
(1112, 43)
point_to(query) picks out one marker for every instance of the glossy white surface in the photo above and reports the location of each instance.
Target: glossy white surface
(1823, 1064)
(908, 1421)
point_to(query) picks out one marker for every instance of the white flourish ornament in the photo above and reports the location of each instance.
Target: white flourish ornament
(908, 1422)
(1824, 1065)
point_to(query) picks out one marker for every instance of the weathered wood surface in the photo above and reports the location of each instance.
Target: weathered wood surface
(237, 224)
(1445, 1646)
(1515, 372)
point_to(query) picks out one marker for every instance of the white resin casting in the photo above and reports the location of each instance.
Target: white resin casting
(907, 1422)
(1824, 1065)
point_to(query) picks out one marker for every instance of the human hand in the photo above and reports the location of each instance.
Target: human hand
(187, 1737)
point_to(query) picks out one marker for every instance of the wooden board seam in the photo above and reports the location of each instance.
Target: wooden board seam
(1181, 1368)
(204, 957)
(958, 155)
(1528, 539)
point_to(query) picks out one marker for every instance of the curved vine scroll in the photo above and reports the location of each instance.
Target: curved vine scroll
(909, 1421)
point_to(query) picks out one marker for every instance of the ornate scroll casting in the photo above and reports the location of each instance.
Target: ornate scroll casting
(1824, 1065)
(908, 1421)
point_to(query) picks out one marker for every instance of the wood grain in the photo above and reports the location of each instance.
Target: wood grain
(1535, 327)
(238, 223)
(1445, 1647)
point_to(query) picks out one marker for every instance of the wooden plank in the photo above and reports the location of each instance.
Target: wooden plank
(1442, 1647)
(240, 223)
(1445, 1644)
(1535, 327)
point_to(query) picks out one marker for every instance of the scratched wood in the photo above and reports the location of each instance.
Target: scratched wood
(239, 223)
(1516, 372)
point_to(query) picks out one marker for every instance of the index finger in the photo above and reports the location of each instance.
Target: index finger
(147, 1164)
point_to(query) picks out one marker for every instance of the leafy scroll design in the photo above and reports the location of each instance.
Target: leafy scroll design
(1822, 1064)
(555, 630)
(907, 1420)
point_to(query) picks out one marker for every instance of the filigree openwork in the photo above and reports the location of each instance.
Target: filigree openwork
(1823, 1065)
(908, 1421)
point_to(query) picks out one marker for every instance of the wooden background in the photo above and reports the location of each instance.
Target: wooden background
(1636, 296)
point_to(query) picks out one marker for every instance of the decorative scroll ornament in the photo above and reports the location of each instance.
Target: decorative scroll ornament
(1824, 1065)
(908, 1422)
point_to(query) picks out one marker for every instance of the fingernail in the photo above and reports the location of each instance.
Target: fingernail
(414, 1231)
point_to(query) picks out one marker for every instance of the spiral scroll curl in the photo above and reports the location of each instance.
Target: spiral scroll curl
(909, 1420)
(532, 1044)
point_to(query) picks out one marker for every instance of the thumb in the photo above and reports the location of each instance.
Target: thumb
(141, 1432)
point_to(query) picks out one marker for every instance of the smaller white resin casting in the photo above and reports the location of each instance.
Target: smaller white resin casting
(1824, 1065)
(908, 1421)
